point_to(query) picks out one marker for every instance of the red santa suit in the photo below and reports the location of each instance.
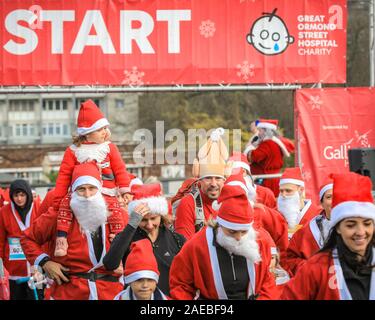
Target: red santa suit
(304, 243)
(265, 196)
(107, 157)
(267, 158)
(274, 223)
(196, 270)
(321, 278)
(11, 231)
(196, 267)
(185, 214)
(79, 259)
(4, 198)
(271, 220)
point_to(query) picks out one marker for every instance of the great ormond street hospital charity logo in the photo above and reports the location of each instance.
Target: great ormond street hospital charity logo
(269, 34)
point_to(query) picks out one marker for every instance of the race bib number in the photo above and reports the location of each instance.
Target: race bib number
(15, 250)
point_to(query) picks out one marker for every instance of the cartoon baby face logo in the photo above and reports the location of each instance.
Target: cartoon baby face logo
(269, 34)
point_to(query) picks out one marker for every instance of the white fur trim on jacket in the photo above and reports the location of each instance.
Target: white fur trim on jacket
(89, 152)
(149, 274)
(352, 209)
(157, 205)
(81, 131)
(282, 146)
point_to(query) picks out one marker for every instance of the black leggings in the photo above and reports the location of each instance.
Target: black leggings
(22, 291)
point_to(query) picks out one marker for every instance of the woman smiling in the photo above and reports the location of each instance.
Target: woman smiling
(344, 267)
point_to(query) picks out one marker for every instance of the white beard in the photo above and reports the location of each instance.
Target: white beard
(247, 247)
(90, 212)
(290, 208)
(90, 152)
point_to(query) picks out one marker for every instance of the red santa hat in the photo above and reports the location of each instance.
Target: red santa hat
(352, 197)
(141, 262)
(134, 180)
(90, 118)
(239, 160)
(86, 173)
(326, 185)
(267, 124)
(292, 175)
(151, 195)
(234, 209)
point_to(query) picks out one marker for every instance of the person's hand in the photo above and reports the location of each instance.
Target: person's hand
(127, 197)
(54, 271)
(142, 209)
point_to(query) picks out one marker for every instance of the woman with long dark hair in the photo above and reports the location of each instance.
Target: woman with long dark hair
(344, 268)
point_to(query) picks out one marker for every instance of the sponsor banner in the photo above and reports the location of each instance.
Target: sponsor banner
(172, 42)
(329, 122)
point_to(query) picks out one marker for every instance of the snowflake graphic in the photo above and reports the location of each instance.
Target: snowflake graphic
(207, 29)
(246, 70)
(302, 140)
(363, 139)
(307, 175)
(315, 102)
(133, 77)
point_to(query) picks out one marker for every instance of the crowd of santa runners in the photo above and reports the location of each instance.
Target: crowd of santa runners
(101, 233)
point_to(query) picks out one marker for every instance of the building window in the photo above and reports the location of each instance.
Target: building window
(56, 129)
(55, 105)
(21, 105)
(81, 100)
(50, 129)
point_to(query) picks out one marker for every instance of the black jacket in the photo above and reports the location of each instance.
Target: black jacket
(21, 185)
(166, 247)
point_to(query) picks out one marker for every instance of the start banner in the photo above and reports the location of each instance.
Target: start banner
(329, 122)
(172, 42)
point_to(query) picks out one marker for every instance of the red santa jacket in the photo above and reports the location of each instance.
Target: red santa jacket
(11, 231)
(193, 269)
(304, 243)
(274, 223)
(79, 259)
(265, 196)
(267, 158)
(185, 214)
(108, 157)
(321, 278)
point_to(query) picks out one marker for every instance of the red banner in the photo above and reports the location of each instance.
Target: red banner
(329, 123)
(169, 42)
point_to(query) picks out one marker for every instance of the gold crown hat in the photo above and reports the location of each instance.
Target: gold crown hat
(212, 158)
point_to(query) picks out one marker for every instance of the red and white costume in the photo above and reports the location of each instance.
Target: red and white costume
(304, 243)
(196, 268)
(267, 157)
(108, 158)
(11, 231)
(321, 278)
(79, 259)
